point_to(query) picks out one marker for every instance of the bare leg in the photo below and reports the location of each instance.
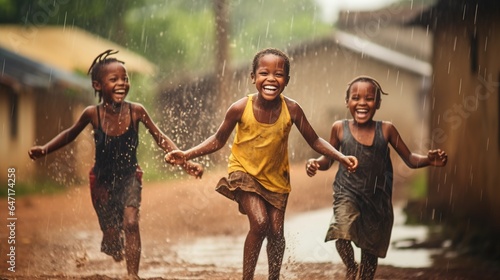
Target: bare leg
(255, 208)
(111, 243)
(132, 240)
(369, 263)
(346, 253)
(275, 242)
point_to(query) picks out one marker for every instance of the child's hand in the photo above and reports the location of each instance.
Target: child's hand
(36, 152)
(312, 166)
(437, 157)
(176, 157)
(193, 169)
(350, 162)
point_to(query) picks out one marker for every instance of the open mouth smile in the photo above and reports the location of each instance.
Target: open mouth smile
(270, 89)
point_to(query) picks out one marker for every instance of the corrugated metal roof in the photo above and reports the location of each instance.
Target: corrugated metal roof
(390, 27)
(381, 53)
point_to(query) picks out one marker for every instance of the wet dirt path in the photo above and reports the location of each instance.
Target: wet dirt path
(57, 236)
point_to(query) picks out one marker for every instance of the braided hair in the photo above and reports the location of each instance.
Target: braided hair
(274, 51)
(99, 62)
(375, 83)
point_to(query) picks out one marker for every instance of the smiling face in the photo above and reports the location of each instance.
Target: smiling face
(270, 76)
(362, 101)
(113, 83)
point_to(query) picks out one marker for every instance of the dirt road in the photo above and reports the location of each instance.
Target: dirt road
(57, 236)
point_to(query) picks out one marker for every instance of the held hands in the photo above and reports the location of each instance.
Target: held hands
(312, 167)
(350, 162)
(37, 152)
(437, 157)
(178, 157)
(193, 169)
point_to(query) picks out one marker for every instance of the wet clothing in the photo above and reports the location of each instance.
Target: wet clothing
(115, 182)
(115, 156)
(261, 149)
(238, 181)
(259, 158)
(110, 200)
(362, 204)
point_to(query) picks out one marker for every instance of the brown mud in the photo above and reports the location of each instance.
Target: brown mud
(58, 237)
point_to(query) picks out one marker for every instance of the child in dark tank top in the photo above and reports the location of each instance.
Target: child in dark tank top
(115, 179)
(362, 205)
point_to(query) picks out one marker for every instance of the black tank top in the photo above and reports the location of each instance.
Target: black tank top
(374, 171)
(115, 156)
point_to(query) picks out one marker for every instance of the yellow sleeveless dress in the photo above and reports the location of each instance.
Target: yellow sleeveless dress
(259, 157)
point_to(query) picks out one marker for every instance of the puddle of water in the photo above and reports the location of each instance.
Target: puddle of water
(304, 235)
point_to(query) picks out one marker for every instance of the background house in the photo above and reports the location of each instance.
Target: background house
(43, 89)
(464, 119)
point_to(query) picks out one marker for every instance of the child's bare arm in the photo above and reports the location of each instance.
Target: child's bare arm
(413, 160)
(164, 142)
(193, 169)
(65, 137)
(317, 143)
(324, 163)
(216, 141)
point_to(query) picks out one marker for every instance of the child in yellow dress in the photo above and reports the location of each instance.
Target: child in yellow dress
(259, 172)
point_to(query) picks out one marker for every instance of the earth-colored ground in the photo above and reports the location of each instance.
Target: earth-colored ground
(57, 236)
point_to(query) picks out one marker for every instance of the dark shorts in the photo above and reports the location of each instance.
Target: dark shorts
(111, 199)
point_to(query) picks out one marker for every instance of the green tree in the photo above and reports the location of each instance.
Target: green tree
(178, 35)
(105, 18)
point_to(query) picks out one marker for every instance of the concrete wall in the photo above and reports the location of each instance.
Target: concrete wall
(41, 115)
(13, 145)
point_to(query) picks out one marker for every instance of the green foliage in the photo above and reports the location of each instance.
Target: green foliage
(259, 24)
(178, 35)
(104, 18)
(173, 36)
(7, 12)
(38, 187)
(418, 188)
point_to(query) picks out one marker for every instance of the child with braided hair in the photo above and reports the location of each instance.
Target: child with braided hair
(362, 204)
(116, 178)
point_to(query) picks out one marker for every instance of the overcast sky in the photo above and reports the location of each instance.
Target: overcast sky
(330, 8)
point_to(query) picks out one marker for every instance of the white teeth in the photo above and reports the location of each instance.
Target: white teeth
(270, 87)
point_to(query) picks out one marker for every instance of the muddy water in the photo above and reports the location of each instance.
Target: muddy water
(305, 243)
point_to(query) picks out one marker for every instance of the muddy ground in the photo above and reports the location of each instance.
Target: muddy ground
(57, 236)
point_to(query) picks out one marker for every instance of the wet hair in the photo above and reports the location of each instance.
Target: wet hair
(273, 51)
(98, 64)
(375, 83)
